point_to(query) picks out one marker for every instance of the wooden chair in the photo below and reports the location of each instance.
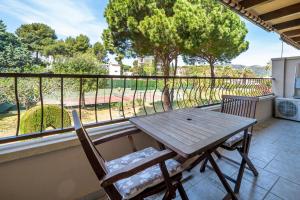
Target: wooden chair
(136, 175)
(245, 107)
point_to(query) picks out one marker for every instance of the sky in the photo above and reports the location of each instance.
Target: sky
(73, 17)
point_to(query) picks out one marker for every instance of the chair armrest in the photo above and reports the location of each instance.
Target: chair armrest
(134, 168)
(116, 135)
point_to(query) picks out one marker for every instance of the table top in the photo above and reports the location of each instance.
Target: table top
(192, 131)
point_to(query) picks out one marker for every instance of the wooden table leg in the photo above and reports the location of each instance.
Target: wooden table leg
(221, 177)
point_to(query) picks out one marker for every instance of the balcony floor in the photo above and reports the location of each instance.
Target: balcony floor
(275, 152)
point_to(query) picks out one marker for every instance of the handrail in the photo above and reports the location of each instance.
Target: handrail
(51, 75)
(122, 97)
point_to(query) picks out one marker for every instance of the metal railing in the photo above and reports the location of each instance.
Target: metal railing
(106, 99)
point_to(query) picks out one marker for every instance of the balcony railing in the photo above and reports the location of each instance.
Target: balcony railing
(105, 99)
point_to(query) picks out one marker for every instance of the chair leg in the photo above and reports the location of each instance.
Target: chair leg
(218, 154)
(167, 196)
(182, 192)
(203, 166)
(240, 176)
(244, 150)
(249, 163)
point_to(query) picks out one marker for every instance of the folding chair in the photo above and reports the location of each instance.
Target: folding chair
(245, 107)
(134, 176)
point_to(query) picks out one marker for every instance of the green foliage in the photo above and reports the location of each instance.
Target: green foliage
(13, 54)
(143, 27)
(73, 46)
(14, 57)
(58, 48)
(36, 36)
(268, 69)
(143, 70)
(31, 120)
(224, 37)
(100, 52)
(221, 71)
(81, 64)
(82, 43)
(200, 29)
(28, 88)
(2, 26)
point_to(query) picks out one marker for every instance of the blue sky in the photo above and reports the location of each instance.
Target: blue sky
(72, 17)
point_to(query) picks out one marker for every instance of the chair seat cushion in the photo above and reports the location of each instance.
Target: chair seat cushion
(132, 186)
(234, 139)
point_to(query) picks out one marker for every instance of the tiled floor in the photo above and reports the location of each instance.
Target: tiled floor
(275, 151)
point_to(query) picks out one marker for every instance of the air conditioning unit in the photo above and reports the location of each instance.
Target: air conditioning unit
(287, 108)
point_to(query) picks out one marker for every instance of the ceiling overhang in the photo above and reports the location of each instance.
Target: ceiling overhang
(281, 16)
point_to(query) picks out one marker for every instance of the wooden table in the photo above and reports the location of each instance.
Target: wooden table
(194, 131)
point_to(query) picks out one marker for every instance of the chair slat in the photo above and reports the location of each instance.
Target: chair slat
(239, 105)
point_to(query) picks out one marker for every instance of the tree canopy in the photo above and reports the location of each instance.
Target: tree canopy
(224, 37)
(36, 36)
(100, 52)
(13, 54)
(203, 30)
(199, 29)
(143, 28)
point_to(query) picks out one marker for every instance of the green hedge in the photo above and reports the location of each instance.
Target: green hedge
(31, 120)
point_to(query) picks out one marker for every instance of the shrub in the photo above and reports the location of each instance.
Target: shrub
(31, 120)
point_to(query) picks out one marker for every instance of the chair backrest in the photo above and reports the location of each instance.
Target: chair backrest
(239, 105)
(96, 160)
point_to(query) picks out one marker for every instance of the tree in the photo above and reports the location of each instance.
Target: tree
(82, 43)
(150, 28)
(13, 54)
(15, 57)
(268, 69)
(58, 48)
(137, 69)
(224, 40)
(81, 64)
(149, 69)
(100, 52)
(77, 45)
(36, 36)
(119, 59)
(247, 73)
(70, 43)
(2, 27)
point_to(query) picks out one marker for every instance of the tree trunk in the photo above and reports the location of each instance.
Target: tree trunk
(175, 72)
(175, 68)
(155, 66)
(213, 81)
(166, 94)
(37, 57)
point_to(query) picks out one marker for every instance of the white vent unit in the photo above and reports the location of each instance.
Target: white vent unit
(287, 108)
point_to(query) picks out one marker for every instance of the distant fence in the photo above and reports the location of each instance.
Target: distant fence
(116, 97)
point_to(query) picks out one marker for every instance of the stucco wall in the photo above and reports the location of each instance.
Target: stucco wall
(284, 72)
(59, 170)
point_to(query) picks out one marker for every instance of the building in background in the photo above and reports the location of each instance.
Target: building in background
(113, 69)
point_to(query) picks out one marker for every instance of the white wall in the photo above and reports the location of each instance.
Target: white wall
(58, 174)
(284, 72)
(114, 69)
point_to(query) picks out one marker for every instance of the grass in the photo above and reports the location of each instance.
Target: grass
(8, 124)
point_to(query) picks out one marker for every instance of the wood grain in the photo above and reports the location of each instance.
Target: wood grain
(192, 131)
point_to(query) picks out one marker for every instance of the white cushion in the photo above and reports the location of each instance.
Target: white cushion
(132, 186)
(234, 139)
